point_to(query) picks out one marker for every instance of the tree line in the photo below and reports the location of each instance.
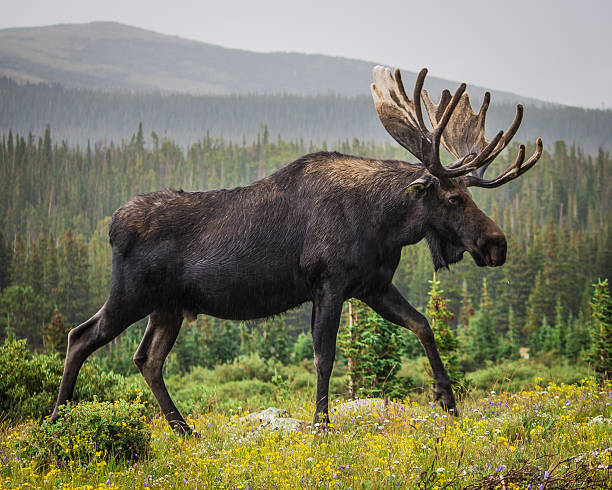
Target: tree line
(56, 199)
(78, 114)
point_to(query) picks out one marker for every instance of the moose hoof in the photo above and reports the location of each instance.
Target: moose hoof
(444, 396)
(321, 422)
(54, 417)
(183, 429)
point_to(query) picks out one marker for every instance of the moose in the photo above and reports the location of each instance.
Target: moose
(325, 228)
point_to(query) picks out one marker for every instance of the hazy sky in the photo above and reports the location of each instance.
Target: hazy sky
(558, 51)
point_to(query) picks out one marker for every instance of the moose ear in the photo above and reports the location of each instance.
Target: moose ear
(418, 186)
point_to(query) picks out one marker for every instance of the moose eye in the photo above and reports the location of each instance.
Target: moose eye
(453, 200)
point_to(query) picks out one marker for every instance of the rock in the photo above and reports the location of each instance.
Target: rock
(599, 419)
(274, 419)
(266, 415)
(283, 424)
(365, 406)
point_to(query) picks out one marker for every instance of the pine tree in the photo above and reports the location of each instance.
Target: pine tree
(371, 347)
(485, 341)
(275, 342)
(17, 271)
(536, 306)
(439, 317)
(55, 333)
(600, 353)
(545, 337)
(558, 330)
(73, 291)
(513, 341)
(467, 310)
(5, 262)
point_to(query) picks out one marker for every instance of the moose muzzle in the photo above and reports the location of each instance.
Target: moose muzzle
(490, 250)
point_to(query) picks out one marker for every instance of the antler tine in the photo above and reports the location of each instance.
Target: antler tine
(476, 162)
(416, 96)
(439, 130)
(517, 168)
(508, 135)
(454, 124)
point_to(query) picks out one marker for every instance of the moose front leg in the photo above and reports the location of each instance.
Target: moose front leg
(392, 306)
(326, 311)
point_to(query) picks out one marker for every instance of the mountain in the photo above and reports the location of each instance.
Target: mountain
(113, 56)
(98, 81)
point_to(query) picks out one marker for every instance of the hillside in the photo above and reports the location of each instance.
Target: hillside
(112, 56)
(98, 81)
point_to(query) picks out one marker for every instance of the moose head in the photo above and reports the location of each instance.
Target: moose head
(462, 226)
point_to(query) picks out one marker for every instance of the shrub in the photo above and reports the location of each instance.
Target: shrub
(512, 376)
(29, 383)
(303, 348)
(91, 431)
(251, 366)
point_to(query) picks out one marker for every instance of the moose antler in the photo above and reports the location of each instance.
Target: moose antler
(455, 125)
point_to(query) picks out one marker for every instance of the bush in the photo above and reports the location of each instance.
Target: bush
(302, 348)
(29, 383)
(91, 431)
(511, 376)
(194, 398)
(251, 366)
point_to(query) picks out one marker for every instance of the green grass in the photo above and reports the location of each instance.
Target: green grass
(554, 435)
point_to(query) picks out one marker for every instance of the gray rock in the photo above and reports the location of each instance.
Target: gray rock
(283, 424)
(266, 415)
(365, 406)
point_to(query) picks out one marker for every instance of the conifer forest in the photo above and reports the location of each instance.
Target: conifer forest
(56, 201)
(539, 329)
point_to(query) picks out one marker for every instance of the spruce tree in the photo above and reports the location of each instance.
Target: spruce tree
(55, 333)
(439, 317)
(513, 341)
(371, 347)
(485, 341)
(5, 262)
(73, 291)
(559, 330)
(274, 342)
(600, 352)
(467, 309)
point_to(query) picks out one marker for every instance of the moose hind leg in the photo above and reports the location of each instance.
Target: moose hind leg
(83, 341)
(159, 337)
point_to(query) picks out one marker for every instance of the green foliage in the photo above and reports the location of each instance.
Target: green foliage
(92, 431)
(302, 348)
(371, 346)
(29, 383)
(247, 381)
(55, 333)
(511, 376)
(553, 220)
(274, 341)
(480, 340)
(20, 311)
(439, 317)
(205, 342)
(600, 353)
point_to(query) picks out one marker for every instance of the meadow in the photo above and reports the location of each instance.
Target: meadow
(546, 435)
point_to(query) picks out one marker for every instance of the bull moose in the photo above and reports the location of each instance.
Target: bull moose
(325, 228)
